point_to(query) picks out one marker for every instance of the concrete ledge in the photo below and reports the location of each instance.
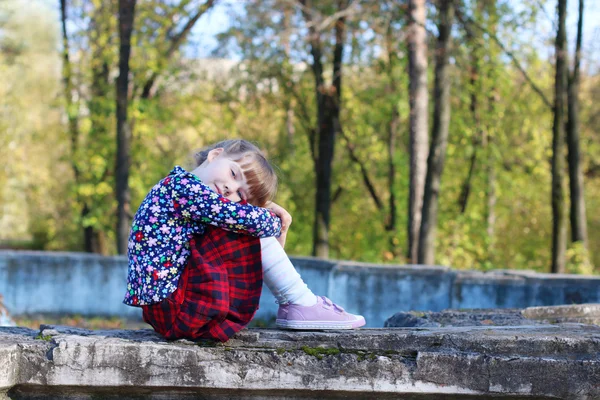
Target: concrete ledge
(526, 362)
(577, 313)
(582, 313)
(54, 283)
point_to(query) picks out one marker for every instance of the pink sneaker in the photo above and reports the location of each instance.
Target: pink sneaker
(282, 312)
(323, 315)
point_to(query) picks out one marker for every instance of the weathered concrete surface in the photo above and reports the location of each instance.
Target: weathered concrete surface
(582, 313)
(521, 289)
(35, 282)
(72, 283)
(476, 317)
(578, 313)
(535, 362)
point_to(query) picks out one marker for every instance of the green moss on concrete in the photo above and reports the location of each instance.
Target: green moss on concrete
(361, 355)
(319, 352)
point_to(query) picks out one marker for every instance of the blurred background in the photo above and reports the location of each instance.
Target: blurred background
(460, 133)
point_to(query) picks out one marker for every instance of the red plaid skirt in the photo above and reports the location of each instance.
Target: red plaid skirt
(218, 291)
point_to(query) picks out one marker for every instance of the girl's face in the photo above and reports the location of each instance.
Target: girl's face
(223, 175)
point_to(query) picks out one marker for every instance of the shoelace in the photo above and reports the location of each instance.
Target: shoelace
(330, 303)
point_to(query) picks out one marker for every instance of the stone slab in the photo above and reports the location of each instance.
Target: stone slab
(583, 313)
(526, 362)
(475, 317)
(578, 313)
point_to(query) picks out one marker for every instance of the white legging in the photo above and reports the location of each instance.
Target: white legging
(281, 277)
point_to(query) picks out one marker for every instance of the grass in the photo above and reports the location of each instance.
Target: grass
(94, 323)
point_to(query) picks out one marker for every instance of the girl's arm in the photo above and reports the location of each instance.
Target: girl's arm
(192, 199)
(286, 221)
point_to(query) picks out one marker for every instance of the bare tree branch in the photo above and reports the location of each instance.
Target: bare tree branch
(174, 45)
(467, 21)
(306, 122)
(320, 23)
(540, 4)
(337, 194)
(363, 171)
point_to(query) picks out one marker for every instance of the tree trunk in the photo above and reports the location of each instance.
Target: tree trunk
(126, 17)
(439, 136)
(100, 109)
(326, 141)
(477, 131)
(100, 112)
(72, 108)
(320, 227)
(391, 147)
(391, 178)
(490, 128)
(491, 172)
(474, 39)
(559, 226)
(288, 12)
(418, 100)
(328, 112)
(491, 198)
(578, 213)
(71, 105)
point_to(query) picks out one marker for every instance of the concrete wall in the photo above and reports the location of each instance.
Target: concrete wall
(75, 283)
(451, 363)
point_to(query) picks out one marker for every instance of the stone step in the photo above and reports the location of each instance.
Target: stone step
(577, 313)
(582, 313)
(471, 317)
(512, 362)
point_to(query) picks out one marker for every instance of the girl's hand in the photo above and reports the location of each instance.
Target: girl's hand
(286, 220)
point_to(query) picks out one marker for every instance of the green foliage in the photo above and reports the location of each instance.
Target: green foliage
(578, 260)
(30, 177)
(269, 97)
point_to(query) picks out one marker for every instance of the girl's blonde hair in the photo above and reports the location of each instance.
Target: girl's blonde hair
(260, 175)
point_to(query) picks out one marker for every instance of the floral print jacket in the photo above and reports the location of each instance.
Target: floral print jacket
(176, 208)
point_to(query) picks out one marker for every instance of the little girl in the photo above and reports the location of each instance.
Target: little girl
(195, 258)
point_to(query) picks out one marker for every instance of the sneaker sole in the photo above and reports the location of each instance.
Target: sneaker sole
(307, 325)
